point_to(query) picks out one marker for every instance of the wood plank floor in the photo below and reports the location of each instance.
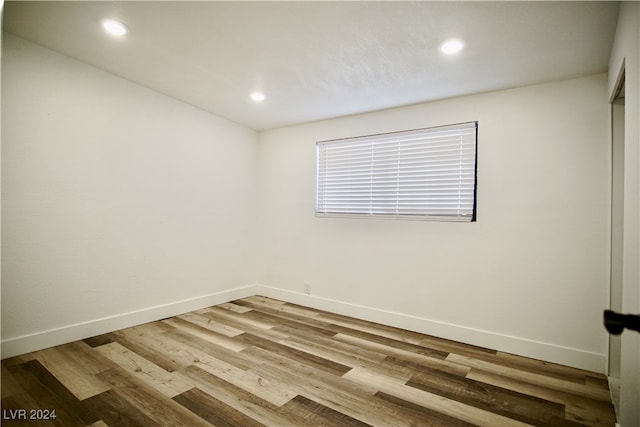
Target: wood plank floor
(259, 361)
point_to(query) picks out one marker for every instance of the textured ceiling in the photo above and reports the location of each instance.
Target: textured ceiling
(318, 60)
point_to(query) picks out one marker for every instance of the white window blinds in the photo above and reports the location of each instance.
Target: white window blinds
(422, 174)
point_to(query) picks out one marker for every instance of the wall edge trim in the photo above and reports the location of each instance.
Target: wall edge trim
(549, 352)
(577, 358)
(44, 339)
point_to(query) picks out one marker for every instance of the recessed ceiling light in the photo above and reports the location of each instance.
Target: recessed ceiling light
(257, 96)
(452, 46)
(114, 27)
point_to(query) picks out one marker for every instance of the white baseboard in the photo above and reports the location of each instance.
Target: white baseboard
(516, 345)
(49, 338)
(535, 349)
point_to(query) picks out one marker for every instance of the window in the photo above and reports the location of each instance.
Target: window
(420, 174)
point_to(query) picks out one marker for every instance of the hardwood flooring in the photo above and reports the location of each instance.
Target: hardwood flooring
(259, 361)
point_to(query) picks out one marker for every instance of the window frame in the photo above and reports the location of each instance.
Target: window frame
(471, 214)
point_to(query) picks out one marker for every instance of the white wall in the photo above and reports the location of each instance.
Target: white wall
(116, 200)
(530, 276)
(626, 50)
(119, 201)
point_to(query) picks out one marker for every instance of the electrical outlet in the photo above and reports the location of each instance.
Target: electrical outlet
(307, 288)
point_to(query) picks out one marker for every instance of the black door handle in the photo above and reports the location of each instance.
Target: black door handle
(616, 322)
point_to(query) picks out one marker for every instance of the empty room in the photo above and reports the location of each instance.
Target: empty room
(320, 213)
